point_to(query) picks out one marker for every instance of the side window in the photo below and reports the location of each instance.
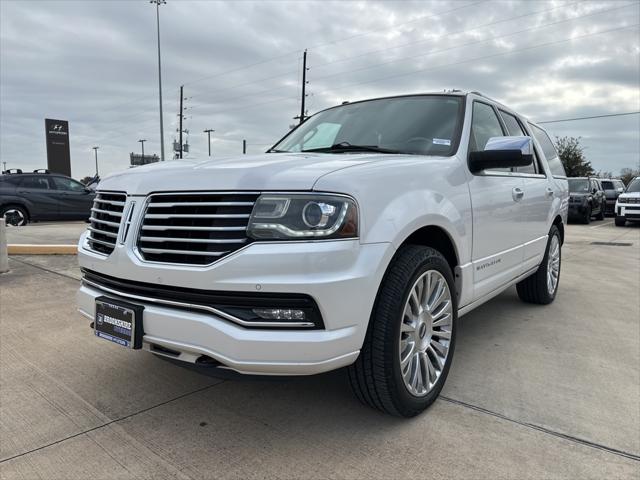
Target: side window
(555, 164)
(484, 125)
(514, 129)
(39, 183)
(68, 184)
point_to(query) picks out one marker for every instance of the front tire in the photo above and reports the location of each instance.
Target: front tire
(14, 215)
(600, 215)
(408, 348)
(587, 215)
(620, 221)
(542, 286)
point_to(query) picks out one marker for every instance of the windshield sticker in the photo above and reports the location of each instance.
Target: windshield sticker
(441, 141)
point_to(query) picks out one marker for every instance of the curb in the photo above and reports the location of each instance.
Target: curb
(30, 249)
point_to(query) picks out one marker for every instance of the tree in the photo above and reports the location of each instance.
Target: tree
(572, 156)
(627, 174)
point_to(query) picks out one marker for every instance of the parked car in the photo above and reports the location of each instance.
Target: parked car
(26, 197)
(612, 188)
(357, 240)
(628, 204)
(586, 199)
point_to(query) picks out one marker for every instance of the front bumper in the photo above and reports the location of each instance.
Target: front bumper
(578, 209)
(342, 277)
(630, 211)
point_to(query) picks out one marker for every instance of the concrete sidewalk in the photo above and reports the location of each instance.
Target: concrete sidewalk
(535, 392)
(42, 233)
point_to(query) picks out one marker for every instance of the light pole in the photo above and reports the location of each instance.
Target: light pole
(95, 149)
(208, 131)
(158, 3)
(142, 143)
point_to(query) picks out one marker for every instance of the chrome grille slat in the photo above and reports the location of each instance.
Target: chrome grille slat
(195, 215)
(109, 212)
(182, 252)
(194, 228)
(191, 240)
(102, 232)
(111, 224)
(201, 204)
(106, 215)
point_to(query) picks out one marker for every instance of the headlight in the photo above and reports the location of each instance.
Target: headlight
(303, 217)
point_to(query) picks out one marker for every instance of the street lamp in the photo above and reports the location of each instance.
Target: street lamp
(208, 132)
(95, 149)
(142, 143)
(158, 3)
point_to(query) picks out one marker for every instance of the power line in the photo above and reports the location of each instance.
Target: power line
(591, 117)
(475, 42)
(432, 52)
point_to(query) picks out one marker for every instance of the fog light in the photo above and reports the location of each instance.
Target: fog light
(280, 313)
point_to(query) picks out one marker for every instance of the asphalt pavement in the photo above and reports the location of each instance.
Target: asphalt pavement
(534, 392)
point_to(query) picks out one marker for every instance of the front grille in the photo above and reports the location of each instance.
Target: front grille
(194, 228)
(105, 219)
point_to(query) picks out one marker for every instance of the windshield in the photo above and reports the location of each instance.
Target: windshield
(425, 124)
(634, 186)
(578, 185)
(606, 185)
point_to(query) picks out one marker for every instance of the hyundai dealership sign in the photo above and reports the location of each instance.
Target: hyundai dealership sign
(58, 156)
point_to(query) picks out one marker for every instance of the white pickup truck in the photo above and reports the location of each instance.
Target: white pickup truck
(356, 241)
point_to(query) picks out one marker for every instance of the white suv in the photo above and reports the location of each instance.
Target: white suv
(628, 204)
(357, 240)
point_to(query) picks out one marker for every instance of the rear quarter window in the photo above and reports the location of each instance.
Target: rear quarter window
(555, 164)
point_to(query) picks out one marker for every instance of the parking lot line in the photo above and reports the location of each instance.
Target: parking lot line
(602, 224)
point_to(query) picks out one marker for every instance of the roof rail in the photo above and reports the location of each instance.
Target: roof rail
(9, 171)
(41, 170)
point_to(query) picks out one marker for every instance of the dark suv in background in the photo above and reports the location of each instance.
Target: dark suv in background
(41, 195)
(612, 187)
(586, 199)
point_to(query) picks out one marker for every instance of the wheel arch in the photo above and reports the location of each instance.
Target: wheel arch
(17, 204)
(560, 225)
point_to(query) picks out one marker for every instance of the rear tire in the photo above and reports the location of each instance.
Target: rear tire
(542, 286)
(600, 215)
(410, 339)
(587, 216)
(14, 215)
(620, 221)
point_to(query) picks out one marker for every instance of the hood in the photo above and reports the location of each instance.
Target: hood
(269, 171)
(580, 194)
(634, 195)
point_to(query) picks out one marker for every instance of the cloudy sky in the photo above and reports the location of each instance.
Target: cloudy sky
(94, 63)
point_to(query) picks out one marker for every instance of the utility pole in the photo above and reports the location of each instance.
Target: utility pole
(142, 143)
(302, 116)
(244, 147)
(4, 166)
(158, 3)
(95, 149)
(181, 115)
(208, 131)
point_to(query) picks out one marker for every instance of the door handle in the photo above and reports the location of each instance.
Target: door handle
(549, 192)
(517, 193)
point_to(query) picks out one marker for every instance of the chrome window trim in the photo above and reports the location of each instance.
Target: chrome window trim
(195, 306)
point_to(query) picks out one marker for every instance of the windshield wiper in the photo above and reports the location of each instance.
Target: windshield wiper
(347, 147)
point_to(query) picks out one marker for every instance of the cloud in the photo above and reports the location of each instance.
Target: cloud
(95, 64)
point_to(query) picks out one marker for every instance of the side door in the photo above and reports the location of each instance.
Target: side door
(37, 192)
(600, 194)
(498, 221)
(74, 199)
(537, 201)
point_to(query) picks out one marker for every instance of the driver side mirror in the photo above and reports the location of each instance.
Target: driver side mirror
(502, 152)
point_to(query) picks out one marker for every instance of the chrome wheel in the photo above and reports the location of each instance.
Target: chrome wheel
(15, 217)
(425, 333)
(553, 265)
